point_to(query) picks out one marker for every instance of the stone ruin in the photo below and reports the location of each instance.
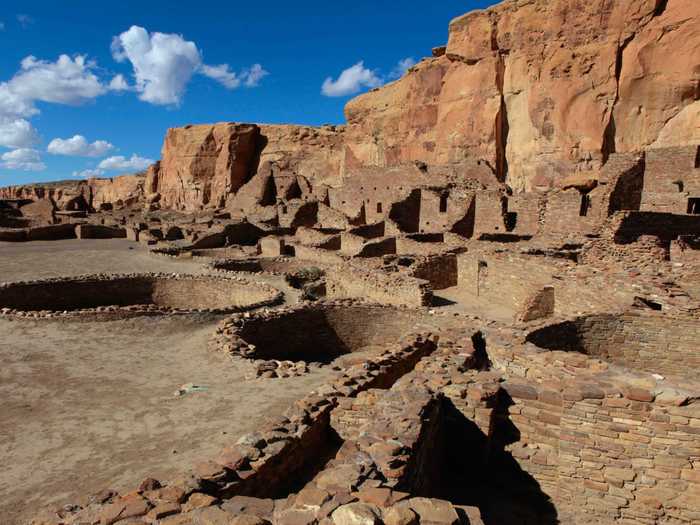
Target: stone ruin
(498, 255)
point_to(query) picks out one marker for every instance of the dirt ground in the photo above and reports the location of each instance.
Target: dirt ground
(86, 406)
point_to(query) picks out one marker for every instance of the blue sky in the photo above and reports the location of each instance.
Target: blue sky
(229, 61)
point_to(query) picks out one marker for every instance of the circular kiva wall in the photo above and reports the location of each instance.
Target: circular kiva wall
(134, 293)
(318, 332)
(275, 265)
(652, 342)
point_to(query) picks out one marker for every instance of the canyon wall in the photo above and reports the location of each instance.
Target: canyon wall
(539, 89)
(530, 91)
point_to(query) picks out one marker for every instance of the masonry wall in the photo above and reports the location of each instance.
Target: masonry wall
(440, 270)
(350, 281)
(670, 178)
(501, 278)
(602, 456)
(565, 213)
(638, 339)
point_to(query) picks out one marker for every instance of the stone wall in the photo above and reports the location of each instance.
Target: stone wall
(352, 281)
(440, 270)
(672, 176)
(640, 340)
(605, 453)
(132, 294)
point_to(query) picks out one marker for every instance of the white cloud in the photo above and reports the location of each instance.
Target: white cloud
(119, 162)
(221, 74)
(254, 75)
(88, 173)
(118, 83)
(164, 63)
(26, 159)
(403, 65)
(351, 81)
(17, 133)
(79, 146)
(66, 81)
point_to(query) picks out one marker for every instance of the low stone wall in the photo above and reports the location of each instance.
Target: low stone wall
(261, 465)
(132, 294)
(440, 270)
(643, 340)
(331, 329)
(604, 444)
(351, 281)
(96, 231)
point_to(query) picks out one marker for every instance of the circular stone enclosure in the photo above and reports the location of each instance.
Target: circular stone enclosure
(135, 293)
(647, 341)
(321, 332)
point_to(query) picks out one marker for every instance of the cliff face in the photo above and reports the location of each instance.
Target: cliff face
(527, 93)
(201, 165)
(126, 189)
(541, 88)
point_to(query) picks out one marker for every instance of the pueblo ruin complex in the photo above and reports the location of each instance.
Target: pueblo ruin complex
(477, 301)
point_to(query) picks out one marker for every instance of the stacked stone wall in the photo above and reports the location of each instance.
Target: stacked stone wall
(350, 281)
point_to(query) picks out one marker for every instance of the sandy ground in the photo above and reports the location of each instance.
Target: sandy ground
(42, 259)
(86, 406)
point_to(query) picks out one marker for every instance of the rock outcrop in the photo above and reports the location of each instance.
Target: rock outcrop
(71, 195)
(203, 164)
(527, 93)
(540, 89)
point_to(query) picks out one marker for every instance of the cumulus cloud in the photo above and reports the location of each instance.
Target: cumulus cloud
(78, 146)
(351, 81)
(164, 63)
(222, 74)
(254, 75)
(88, 173)
(26, 159)
(400, 69)
(17, 133)
(118, 83)
(355, 78)
(66, 81)
(119, 162)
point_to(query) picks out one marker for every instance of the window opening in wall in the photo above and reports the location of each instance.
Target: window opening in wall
(694, 206)
(443, 203)
(680, 185)
(284, 210)
(585, 204)
(379, 207)
(511, 221)
(697, 158)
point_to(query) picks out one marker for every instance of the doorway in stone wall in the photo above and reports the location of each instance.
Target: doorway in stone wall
(694, 206)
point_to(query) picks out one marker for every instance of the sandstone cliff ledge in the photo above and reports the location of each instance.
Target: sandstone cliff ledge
(526, 93)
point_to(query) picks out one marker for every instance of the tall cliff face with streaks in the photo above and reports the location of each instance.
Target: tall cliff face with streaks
(529, 92)
(539, 89)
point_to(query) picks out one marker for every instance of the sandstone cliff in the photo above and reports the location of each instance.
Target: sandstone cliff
(541, 88)
(526, 93)
(121, 190)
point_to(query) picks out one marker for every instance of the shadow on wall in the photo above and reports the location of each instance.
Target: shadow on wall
(478, 471)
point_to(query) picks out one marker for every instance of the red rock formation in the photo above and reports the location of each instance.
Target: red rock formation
(540, 89)
(125, 189)
(527, 92)
(203, 164)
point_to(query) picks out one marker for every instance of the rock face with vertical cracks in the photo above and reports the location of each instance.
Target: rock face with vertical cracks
(202, 164)
(541, 88)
